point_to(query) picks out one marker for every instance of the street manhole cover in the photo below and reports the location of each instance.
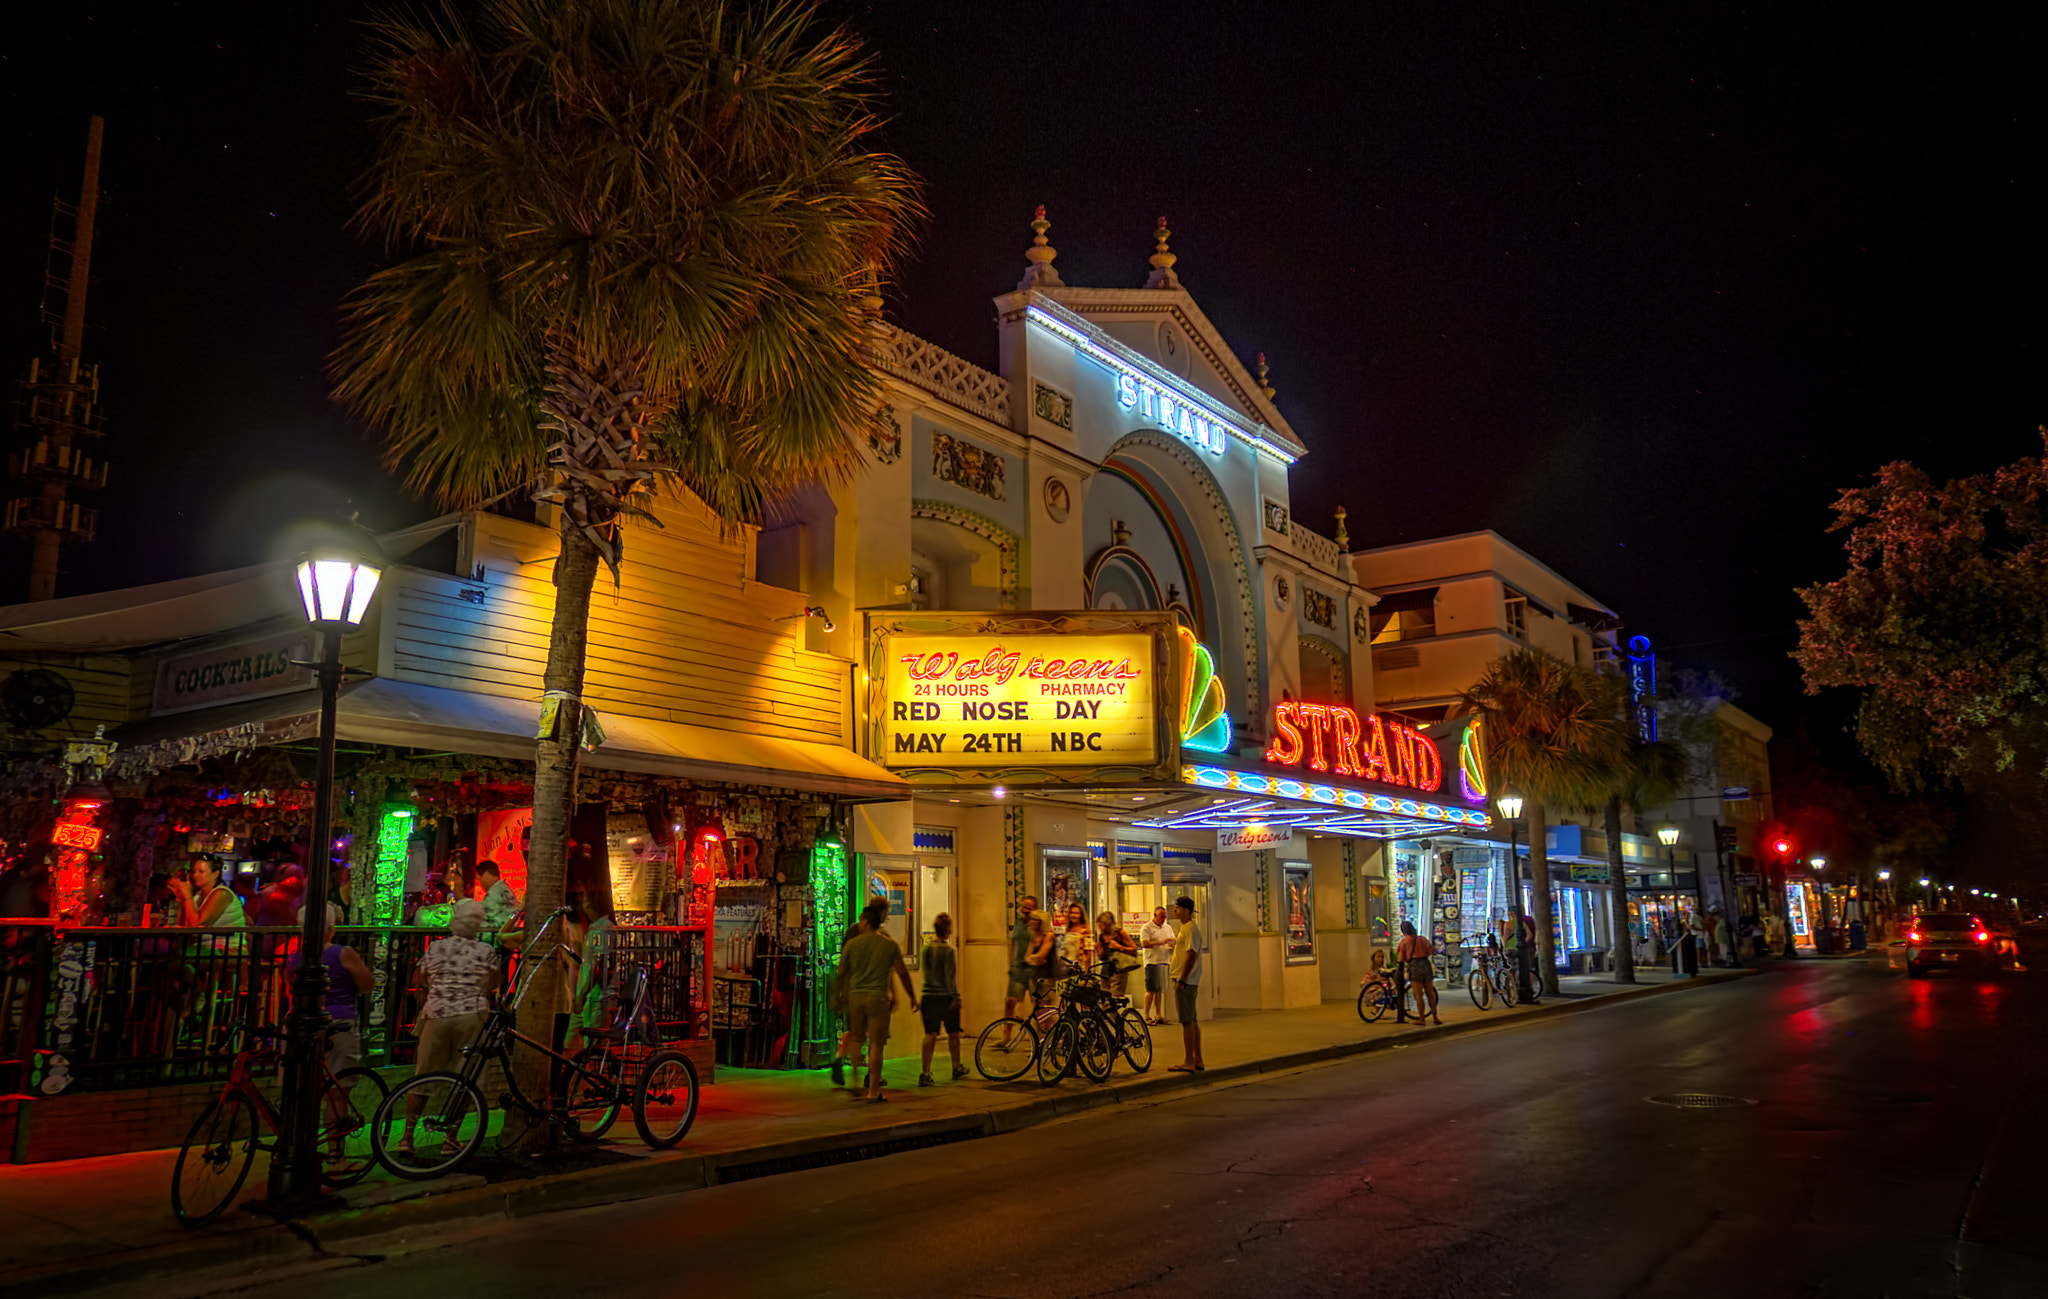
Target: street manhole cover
(1698, 1101)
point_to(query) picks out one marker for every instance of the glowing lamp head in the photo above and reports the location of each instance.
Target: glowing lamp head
(1923, 884)
(1510, 806)
(1820, 863)
(335, 586)
(1668, 836)
(1884, 875)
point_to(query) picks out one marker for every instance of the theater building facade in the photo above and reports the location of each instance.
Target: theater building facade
(1115, 668)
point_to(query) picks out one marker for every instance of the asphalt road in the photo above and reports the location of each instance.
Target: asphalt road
(1894, 1148)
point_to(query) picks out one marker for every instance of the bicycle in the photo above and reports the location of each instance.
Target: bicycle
(222, 1144)
(1083, 1027)
(1378, 995)
(586, 1094)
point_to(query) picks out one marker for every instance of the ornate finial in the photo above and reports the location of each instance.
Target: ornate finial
(871, 296)
(1162, 276)
(1264, 387)
(1343, 537)
(1119, 535)
(1040, 274)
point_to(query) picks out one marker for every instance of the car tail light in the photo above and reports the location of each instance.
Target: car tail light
(1983, 937)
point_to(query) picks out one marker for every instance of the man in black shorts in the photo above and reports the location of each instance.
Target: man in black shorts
(940, 1003)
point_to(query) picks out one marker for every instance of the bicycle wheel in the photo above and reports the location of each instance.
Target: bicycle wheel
(1479, 988)
(1099, 1039)
(1504, 985)
(348, 1107)
(1006, 1049)
(1136, 1041)
(1058, 1052)
(1372, 1002)
(665, 1101)
(429, 1125)
(214, 1160)
(590, 1104)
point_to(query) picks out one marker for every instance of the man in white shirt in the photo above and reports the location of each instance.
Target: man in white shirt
(500, 902)
(1186, 971)
(1156, 941)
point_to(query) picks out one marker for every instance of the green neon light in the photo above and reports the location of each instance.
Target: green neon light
(830, 872)
(394, 832)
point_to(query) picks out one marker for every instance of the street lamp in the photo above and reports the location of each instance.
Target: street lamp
(336, 583)
(1510, 805)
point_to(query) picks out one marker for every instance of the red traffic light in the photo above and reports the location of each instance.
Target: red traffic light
(1783, 846)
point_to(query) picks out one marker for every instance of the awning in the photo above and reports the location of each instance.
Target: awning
(1222, 798)
(435, 717)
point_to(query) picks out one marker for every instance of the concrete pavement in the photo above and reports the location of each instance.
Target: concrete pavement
(107, 1221)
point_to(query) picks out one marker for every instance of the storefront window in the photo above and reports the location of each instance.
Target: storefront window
(1377, 922)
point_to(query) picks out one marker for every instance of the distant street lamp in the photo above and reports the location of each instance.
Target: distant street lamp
(336, 583)
(1510, 805)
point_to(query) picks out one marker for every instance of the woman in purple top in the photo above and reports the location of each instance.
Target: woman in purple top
(348, 977)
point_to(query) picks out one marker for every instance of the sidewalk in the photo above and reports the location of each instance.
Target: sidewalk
(97, 1222)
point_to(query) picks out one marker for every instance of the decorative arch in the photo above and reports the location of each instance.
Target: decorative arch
(1340, 665)
(1004, 540)
(1131, 562)
(1205, 483)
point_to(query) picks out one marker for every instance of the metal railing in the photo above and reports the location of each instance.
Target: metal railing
(107, 1009)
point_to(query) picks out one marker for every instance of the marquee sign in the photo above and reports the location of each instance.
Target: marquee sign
(1334, 739)
(1024, 698)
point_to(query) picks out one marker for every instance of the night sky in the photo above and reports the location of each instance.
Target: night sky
(1639, 287)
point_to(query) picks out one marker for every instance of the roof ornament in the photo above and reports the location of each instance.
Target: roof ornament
(1343, 537)
(1040, 274)
(1264, 386)
(1162, 276)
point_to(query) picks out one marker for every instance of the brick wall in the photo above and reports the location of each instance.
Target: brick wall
(99, 1123)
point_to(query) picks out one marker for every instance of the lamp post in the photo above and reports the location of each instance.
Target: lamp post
(1510, 805)
(335, 585)
(1668, 836)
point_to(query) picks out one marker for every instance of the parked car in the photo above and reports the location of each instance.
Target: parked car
(1949, 939)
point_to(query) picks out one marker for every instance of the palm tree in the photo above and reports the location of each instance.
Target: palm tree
(641, 242)
(1549, 735)
(1644, 774)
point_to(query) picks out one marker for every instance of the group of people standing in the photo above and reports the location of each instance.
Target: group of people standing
(1043, 950)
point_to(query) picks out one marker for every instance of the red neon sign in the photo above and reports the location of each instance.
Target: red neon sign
(77, 834)
(1336, 740)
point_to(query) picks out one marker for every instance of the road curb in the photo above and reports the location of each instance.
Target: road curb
(333, 1234)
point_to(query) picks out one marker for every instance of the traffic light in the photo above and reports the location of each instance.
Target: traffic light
(1783, 847)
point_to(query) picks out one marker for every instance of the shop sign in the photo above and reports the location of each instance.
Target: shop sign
(1335, 739)
(241, 670)
(1011, 702)
(1588, 874)
(1251, 838)
(1748, 880)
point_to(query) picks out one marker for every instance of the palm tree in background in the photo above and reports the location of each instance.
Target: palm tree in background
(1550, 735)
(641, 242)
(1643, 774)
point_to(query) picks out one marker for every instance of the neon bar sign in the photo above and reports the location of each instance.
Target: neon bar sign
(1335, 739)
(1170, 412)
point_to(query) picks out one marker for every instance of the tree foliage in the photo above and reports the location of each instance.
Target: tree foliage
(1941, 621)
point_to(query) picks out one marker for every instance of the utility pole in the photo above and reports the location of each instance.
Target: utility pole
(58, 405)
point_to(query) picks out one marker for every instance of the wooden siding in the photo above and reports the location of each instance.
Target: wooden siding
(686, 638)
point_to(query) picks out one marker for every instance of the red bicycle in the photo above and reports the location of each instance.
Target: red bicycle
(223, 1142)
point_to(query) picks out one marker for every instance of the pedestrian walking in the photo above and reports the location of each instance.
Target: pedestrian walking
(1414, 951)
(870, 960)
(940, 1004)
(457, 976)
(1156, 941)
(1185, 969)
(1118, 954)
(1021, 973)
(1686, 956)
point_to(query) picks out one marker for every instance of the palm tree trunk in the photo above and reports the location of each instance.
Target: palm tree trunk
(1617, 897)
(554, 804)
(1539, 898)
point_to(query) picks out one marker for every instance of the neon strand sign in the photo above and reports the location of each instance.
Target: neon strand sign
(1172, 413)
(1335, 739)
